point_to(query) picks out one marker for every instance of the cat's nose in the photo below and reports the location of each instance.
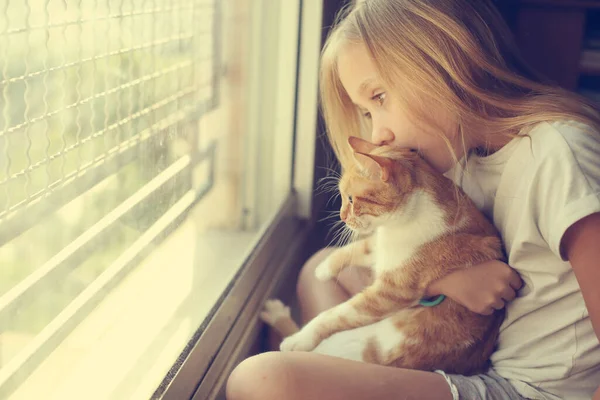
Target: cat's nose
(343, 215)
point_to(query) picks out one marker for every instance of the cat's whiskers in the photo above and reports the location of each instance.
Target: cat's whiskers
(330, 172)
(339, 227)
(333, 199)
(332, 215)
(328, 184)
(345, 235)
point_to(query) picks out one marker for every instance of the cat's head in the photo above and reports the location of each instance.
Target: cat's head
(377, 188)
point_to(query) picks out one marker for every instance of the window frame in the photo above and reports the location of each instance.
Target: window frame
(228, 335)
(212, 354)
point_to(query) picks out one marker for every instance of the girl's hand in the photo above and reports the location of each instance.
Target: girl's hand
(482, 288)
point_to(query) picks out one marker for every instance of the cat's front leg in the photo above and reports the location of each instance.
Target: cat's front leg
(318, 329)
(307, 338)
(303, 340)
(357, 254)
(373, 304)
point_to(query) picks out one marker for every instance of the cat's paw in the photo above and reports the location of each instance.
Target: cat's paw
(300, 341)
(323, 271)
(273, 311)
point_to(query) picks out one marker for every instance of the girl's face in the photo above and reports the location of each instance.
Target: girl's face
(391, 124)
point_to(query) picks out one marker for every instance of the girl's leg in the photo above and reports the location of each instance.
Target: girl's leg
(309, 376)
(315, 296)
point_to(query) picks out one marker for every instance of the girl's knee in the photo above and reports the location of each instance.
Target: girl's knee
(264, 376)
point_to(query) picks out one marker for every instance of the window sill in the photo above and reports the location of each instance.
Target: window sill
(129, 342)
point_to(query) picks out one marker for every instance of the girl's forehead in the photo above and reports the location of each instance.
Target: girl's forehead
(356, 70)
(355, 57)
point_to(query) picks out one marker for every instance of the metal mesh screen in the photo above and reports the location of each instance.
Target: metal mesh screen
(83, 81)
(99, 103)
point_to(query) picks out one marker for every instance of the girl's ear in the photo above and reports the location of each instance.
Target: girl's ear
(361, 145)
(375, 166)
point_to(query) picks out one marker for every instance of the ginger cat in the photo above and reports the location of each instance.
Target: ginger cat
(421, 228)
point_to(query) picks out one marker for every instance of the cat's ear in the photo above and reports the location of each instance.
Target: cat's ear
(361, 145)
(375, 165)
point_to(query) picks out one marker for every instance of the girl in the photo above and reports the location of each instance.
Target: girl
(444, 77)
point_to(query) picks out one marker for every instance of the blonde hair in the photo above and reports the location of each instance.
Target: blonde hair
(456, 54)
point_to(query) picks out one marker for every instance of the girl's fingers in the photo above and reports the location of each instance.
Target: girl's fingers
(515, 281)
(509, 294)
(488, 311)
(498, 305)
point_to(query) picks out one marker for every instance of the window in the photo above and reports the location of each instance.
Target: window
(146, 152)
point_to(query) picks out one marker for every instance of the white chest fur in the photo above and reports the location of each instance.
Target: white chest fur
(420, 221)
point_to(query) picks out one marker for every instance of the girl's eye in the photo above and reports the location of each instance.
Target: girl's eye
(350, 199)
(379, 98)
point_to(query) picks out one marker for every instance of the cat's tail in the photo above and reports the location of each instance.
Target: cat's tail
(278, 316)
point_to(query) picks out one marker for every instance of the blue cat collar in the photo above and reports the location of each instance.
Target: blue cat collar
(432, 302)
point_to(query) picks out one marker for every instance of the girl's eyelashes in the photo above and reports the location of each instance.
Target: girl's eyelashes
(379, 98)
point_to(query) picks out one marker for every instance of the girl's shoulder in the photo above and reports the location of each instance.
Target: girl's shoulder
(558, 151)
(560, 139)
(555, 172)
(543, 145)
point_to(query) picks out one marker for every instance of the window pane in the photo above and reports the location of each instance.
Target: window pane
(145, 145)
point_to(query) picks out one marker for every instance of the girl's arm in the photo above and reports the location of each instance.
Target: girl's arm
(580, 245)
(481, 288)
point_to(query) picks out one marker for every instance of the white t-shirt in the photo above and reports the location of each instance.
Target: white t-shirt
(533, 189)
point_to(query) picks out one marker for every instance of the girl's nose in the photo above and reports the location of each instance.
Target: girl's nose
(382, 135)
